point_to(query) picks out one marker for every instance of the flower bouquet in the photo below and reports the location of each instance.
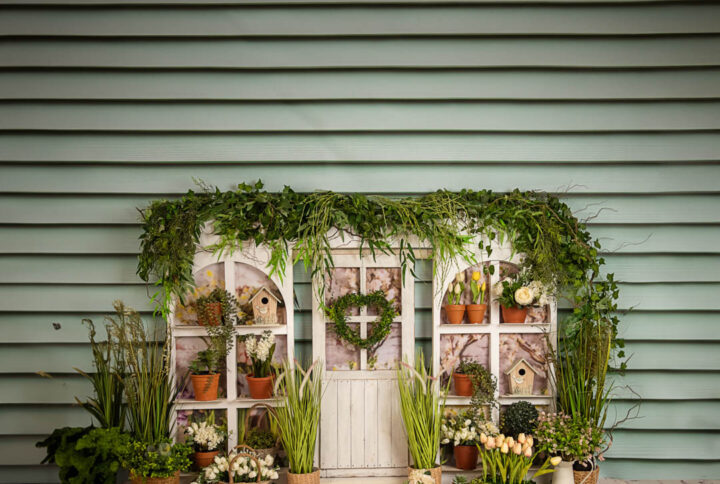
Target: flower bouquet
(206, 438)
(508, 461)
(516, 293)
(463, 432)
(476, 310)
(260, 350)
(242, 466)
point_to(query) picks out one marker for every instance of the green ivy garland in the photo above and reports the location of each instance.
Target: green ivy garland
(336, 312)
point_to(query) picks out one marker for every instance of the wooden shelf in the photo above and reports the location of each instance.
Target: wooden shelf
(224, 403)
(489, 328)
(503, 399)
(189, 331)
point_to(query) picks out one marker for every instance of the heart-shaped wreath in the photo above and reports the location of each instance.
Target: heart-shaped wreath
(380, 329)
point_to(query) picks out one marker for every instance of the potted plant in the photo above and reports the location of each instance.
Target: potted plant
(519, 418)
(573, 439)
(205, 369)
(159, 463)
(506, 460)
(422, 406)
(463, 432)
(516, 293)
(216, 308)
(206, 438)
(263, 441)
(298, 419)
(476, 311)
(260, 350)
(474, 380)
(239, 467)
(454, 310)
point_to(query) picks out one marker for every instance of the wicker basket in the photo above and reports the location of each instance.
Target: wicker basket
(311, 478)
(273, 451)
(435, 473)
(231, 472)
(586, 477)
(155, 480)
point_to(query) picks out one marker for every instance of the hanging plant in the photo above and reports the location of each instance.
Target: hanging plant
(336, 312)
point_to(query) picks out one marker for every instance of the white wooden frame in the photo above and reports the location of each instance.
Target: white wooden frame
(258, 257)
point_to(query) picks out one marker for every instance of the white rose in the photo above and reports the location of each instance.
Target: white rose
(497, 289)
(524, 296)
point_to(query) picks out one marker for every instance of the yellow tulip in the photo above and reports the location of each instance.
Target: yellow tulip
(476, 276)
(484, 286)
(556, 460)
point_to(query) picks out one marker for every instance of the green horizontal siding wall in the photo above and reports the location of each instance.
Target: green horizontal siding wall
(106, 105)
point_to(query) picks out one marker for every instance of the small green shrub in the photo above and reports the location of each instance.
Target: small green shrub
(519, 418)
(155, 460)
(260, 439)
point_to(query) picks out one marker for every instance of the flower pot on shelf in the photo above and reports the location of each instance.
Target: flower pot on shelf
(476, 313)
(586, 473)
(309, 478)
(466, 457)
(455, 313)
(514, 315)
(563, 473)
(205, 386)
(260, 388)
(175, 479)
(435, 473)
(463, 385)
(204, 459)
(210, 314)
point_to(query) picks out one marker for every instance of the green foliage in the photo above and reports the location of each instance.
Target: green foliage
(228, 306)
(260, 439)
(109, 362)
(478, 286)
(572, 438)
(220, 341)
(298, 419)
(161, 459)
(519, 418)
(85, 454)
(422, 406)
(380, 328)
(483, 382)
(149, 391)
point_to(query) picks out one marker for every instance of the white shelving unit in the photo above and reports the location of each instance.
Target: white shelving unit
(257, 257)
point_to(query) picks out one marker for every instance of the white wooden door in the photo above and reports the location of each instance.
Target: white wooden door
(361, 430)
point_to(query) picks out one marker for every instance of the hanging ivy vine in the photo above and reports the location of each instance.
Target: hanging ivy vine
(557, 246)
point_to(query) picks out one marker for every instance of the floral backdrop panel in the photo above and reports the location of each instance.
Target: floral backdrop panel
(248, 281)
(206, 279)
(186, 351)
(530, 347)
(389, 353)
(339, 354)
(455, 348)
(340, 281)
(387, 280)
(466, 296)
(243, 361)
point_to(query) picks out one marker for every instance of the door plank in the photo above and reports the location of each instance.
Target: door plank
(329, 427)
(357, 423)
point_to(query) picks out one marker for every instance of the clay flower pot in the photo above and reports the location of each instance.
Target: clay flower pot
(476, 313)
(435, 473)
(205, 386)
(211, 315)
(260, 388)
(466, 457)
(455, 313)
(463, 385)
(155, 480)
(204, 459)
(311, 478)
(514, 315)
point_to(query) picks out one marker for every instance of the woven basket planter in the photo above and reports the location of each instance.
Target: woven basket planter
(586, 477)
(435, 473)
(156, 480)
(309, 478)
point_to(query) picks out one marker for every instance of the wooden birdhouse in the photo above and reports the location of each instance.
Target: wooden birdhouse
(264, 304)
(522, 377)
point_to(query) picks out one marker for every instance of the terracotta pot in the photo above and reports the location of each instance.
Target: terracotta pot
(514, 315)
(435, 473)
(476, 313)
(204, 459)
(586, 476)
(463, 385)
(205, 387)
(466, 457)
(211, 316)
(310, 478)
(155, 480)
(260, 388)
(455, 313)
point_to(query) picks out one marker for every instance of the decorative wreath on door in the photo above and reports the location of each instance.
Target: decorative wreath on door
(380, 328)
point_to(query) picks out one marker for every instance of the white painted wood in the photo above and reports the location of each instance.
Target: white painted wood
(385, 428)
(371, 423)
(357, 423)
(328, 428)
(342, 423)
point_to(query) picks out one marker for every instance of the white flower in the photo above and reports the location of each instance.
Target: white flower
(524, 296)
(497, 289)
(460, 277)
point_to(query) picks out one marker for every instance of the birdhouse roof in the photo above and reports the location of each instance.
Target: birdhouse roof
(267, 291)
(517, 363)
